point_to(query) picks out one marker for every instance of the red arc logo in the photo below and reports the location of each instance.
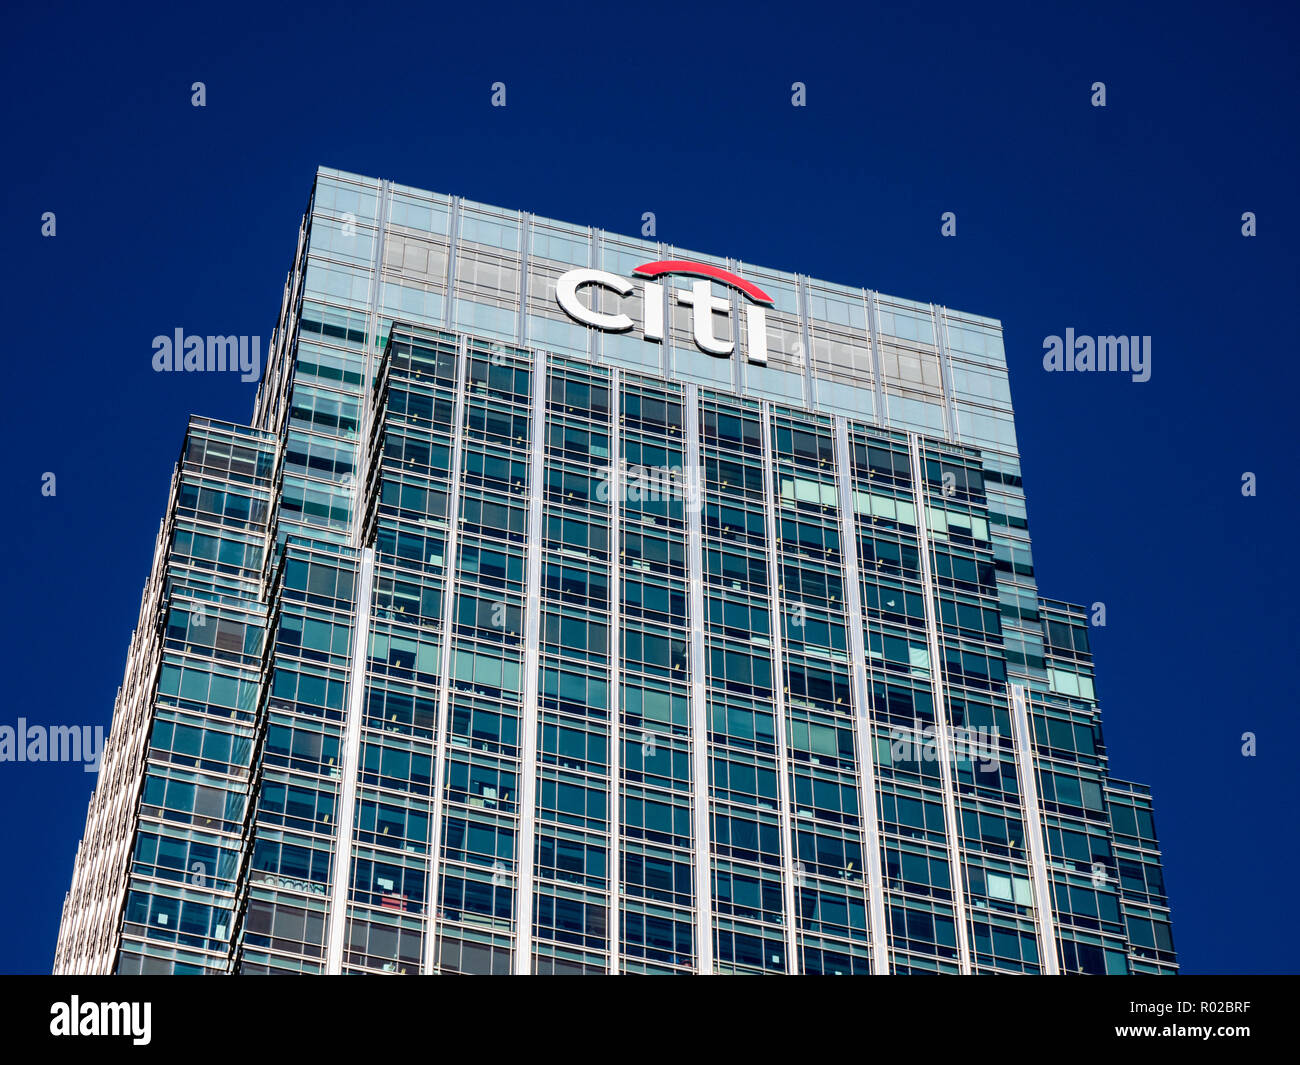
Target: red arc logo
(714, 273)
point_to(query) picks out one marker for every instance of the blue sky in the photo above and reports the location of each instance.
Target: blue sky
(1125, 220)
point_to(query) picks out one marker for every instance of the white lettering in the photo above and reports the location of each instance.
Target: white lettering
(566, 293)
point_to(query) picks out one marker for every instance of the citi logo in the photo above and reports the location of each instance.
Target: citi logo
(699, 298)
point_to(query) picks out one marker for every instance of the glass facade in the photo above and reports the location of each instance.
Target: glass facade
(499, 643)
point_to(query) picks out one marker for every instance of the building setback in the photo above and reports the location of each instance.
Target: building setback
(578, 603)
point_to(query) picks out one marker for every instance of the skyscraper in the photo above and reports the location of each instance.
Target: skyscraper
(579, 603)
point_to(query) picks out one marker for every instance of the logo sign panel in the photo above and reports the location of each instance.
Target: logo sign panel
(699, 297)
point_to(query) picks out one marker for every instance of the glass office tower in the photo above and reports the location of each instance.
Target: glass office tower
(575, 603)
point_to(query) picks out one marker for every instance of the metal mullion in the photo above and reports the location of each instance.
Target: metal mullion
(877, 357)
(615, 482)
(451, 561)
(862, 717)
(350, 757)
(1023, 737)
(784, 779)
(698, 704)
(946, 387)
(921, 498)
(532, 657)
